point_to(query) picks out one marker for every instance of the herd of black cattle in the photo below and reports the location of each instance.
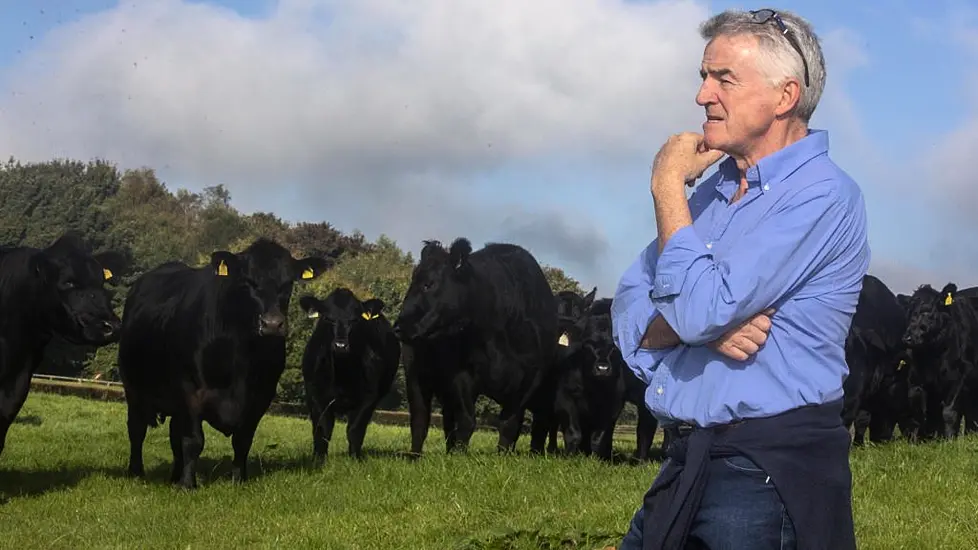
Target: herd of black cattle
(208, 344)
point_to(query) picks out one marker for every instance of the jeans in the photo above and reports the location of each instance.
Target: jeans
(740, 510)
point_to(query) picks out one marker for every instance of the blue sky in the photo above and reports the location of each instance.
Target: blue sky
(533, 122)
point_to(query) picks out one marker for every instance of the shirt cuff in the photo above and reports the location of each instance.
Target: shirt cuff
(679, 253)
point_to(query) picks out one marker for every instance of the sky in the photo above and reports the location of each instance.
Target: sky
(532, 122)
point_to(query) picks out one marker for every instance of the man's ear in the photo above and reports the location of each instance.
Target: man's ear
(312, 267)
(114, 265)
(225, 263)
(311, 305)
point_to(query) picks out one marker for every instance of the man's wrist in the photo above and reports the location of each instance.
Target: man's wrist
(667, 182)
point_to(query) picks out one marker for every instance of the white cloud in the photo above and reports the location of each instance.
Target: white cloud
(377, 111)
(384, 115)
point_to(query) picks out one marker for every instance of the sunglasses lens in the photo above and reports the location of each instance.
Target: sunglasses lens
(761, 16)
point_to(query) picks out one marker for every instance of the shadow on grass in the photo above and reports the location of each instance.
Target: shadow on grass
(28, 419)
(505, 539)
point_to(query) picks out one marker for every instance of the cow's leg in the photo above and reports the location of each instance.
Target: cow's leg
(880, 427)
(419, 393)
(602, 441)
(192, 441)
(449, 423)
(465, 397)
(552, 436)
(861, 423)
(12, 398)
(136, 424)
(176, 447)
(952, 421)
(572, 429)
(320, 435)
(510, 421)
(356, 428)
(644, 432)
(540, 427)
(244, 435)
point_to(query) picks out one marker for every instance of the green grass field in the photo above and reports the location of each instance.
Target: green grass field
(62, 486)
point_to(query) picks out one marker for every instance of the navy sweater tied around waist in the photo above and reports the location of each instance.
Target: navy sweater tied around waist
(804, 450)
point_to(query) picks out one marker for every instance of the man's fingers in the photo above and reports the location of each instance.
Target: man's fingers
(744, 344)
(733, 352)
(760, 322)
(755, 334)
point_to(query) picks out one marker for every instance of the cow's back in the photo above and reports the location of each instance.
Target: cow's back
(168, 317)
(519, 285)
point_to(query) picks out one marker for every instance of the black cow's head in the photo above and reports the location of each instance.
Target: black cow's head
(928, 314)
(602, 360)
(260, 281)
(75, 301)
(438, 300)
(344, 313)
(571, 309)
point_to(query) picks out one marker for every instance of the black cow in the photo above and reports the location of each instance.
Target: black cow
(207, 345)
(942, 333)
(578, 388)
(635, 394)
(872, 399)
(489, 317)
(590, 388)
(58, 290)
(348, 365)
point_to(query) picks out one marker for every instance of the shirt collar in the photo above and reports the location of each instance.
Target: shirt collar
(777, 166)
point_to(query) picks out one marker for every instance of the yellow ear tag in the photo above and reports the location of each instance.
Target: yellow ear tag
(902, 364)
(308, 273)
(222, 269)
(564, 340)
(948, 301)
(106, 273)
(312, 314)
(368, 316)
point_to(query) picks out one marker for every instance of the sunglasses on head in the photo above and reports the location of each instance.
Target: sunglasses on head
(763, 16)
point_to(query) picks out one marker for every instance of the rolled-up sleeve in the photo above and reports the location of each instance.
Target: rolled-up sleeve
(632, 311)
(701, 297)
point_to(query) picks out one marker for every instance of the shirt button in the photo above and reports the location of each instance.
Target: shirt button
(767, 187)
(659, 390)
(709, 245)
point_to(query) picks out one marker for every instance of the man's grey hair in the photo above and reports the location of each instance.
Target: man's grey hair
(779, 59)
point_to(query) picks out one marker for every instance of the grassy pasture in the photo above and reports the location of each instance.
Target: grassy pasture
(62, 485)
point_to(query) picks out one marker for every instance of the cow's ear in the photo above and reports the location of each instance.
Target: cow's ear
(459, 252)
(114, 265)
(310, 268)
(589, 297)
(372, 308)
(948, 293)
(311, 305)
(225, 263)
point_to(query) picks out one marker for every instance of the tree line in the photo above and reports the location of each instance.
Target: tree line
(134, 212)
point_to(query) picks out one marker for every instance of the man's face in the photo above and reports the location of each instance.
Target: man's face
(739, 101)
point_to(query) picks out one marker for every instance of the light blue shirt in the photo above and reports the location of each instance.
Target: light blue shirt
(796, 241)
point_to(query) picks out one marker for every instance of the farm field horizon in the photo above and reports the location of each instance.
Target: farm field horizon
(63, 485)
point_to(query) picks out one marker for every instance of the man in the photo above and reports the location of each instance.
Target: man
(736, 315)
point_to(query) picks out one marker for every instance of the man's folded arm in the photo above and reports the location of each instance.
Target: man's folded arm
(635, 319)
(701, 298)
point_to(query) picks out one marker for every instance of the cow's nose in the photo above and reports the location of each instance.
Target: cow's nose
(906, 339)
(271, 324)
(109, 328)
